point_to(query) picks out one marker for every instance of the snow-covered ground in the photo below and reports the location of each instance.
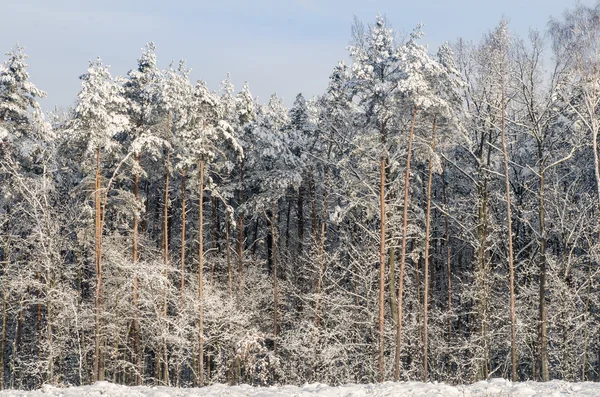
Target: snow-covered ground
(494, 387)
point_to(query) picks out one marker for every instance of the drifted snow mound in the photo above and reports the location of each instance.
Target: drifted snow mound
(491, 388)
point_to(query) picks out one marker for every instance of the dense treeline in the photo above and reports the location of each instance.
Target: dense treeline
(427, 217)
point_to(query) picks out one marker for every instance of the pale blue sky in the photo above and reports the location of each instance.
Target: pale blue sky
(284, 46)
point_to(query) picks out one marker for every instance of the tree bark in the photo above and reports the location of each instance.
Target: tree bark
(403, 251)
(137, 356)
(182, 259)
(482, 263)
(97, 366)
(163, 370)
(240, 227)
(382, 224)
(426, 273)
(321, 254)
(391, 260)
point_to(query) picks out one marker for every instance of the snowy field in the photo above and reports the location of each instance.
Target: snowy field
(494, 387)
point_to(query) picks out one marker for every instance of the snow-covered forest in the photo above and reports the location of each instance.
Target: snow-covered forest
(429, 217)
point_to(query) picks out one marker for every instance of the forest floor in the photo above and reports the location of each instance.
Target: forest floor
(491, 388)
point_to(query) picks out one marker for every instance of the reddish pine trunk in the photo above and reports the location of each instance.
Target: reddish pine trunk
(135, 294)
(98, 369)
(380, 321)
(321, 254)
(240, 227)
(165, 251)
(426, 275)
(403, 252)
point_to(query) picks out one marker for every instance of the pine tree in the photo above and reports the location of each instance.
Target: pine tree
(141, 91)
(97, 118)
(22, 135)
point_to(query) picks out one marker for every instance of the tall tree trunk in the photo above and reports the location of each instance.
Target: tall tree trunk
(269, 244)
(163, 370)
(403, 251)
(97, 366)
(137, 356)
(482, 270)
(382, 224)
(426, 275)
(116, 348)
(391, 260)
(240, 227)
(182, 259)
(543, 320)
(513, 324)
(321, 252)
(200, 279)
